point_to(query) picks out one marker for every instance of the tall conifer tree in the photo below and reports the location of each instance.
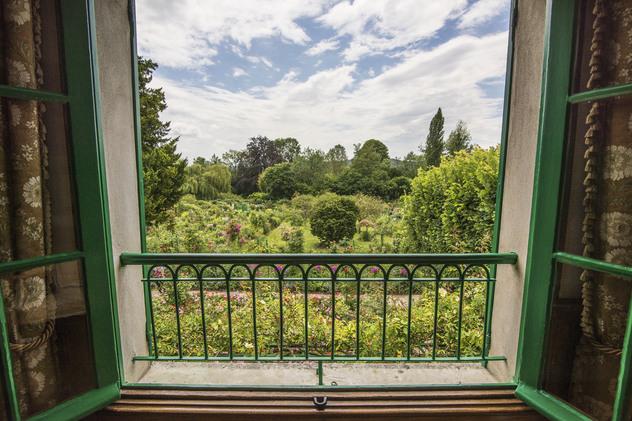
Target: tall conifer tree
(434, 142)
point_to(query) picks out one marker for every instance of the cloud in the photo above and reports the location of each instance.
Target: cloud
(376, 26)
(238, 72)
(336, 106)
(481, 12)
(323, 46)
(186, 33)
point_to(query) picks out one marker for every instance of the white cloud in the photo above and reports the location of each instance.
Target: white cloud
(323, 46)
(481, 12)
(238, 72)
(377, 26)
(186, 33)
(333, 106)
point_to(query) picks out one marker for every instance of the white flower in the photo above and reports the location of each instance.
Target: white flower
(616, 229)
(27, 152)
(32, 228)
(617, 163)
(619, 256)
(32, 192)
(19, 11)
(31, 294)
(18, 73)
(16, 115)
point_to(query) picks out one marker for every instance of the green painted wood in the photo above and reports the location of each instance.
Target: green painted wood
(201, 258)
(548, 405)
(621, 409)
(89, 175)
(601, 93)
(548, 175)
(7, 366)
(25, 264)
(81, 406)
(594, 264)
(31, 94)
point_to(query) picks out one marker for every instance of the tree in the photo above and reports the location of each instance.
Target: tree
(289, 148)
(163, 168)
(334, 219)
(336, 159)
(246, 165)
(459, 139)
(450, 208)
(206, 180)
(411, 164)
(434, 142)
(309, 171)
(278, 181)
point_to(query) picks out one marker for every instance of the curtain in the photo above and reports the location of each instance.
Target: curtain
(25, 210)
(607, 224)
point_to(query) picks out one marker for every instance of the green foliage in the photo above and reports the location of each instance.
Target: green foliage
(369, 207)
(411, 164)
(278, 181)
(294, 238)
(247, 164)
(163, 168)
(333, 219)
(309, 172)
(336, 159)
(434, 142)
(288, 147)
(304, 204)
(399, 186)
(451, 207)
(459, 139)
(205, 180)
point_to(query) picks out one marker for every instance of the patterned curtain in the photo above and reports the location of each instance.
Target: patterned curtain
(24, 209)
(607, 225)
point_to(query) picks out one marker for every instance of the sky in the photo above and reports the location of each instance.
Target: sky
(325, 72)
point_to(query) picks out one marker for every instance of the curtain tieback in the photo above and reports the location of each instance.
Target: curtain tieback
(35, 342)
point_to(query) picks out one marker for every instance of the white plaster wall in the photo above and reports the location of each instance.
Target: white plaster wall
(519, 179)
(115, 71)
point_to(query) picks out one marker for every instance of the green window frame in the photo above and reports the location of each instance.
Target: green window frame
(542, 253)
(87, 157)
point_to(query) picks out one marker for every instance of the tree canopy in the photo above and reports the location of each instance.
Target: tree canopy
(451, 207)
(163, 168)
(206, 180)
(278, 181)
(434, 141)
(459, 139)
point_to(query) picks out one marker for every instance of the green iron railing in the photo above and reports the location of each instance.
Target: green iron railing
(316, 307)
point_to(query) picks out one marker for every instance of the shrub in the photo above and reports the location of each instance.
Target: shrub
(334, 218)
(304, 203)
(451, 207)
(369, 207)
(279, 181)
(294, 238)
(399, 186)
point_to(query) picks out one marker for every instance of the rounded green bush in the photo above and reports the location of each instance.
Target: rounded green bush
(334, 218)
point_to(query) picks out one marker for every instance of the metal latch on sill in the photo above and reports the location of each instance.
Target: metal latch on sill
(320, 402)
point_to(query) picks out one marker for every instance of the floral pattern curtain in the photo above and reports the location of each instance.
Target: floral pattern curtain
(607, 225)
(24, 209)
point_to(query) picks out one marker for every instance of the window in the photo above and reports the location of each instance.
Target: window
(576, 350)
(58, 336)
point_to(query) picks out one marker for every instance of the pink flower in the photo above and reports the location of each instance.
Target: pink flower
(373, 270)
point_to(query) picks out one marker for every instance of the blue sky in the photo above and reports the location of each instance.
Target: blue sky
(325, 71)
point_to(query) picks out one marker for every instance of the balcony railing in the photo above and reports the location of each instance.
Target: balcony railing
(307, 307)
